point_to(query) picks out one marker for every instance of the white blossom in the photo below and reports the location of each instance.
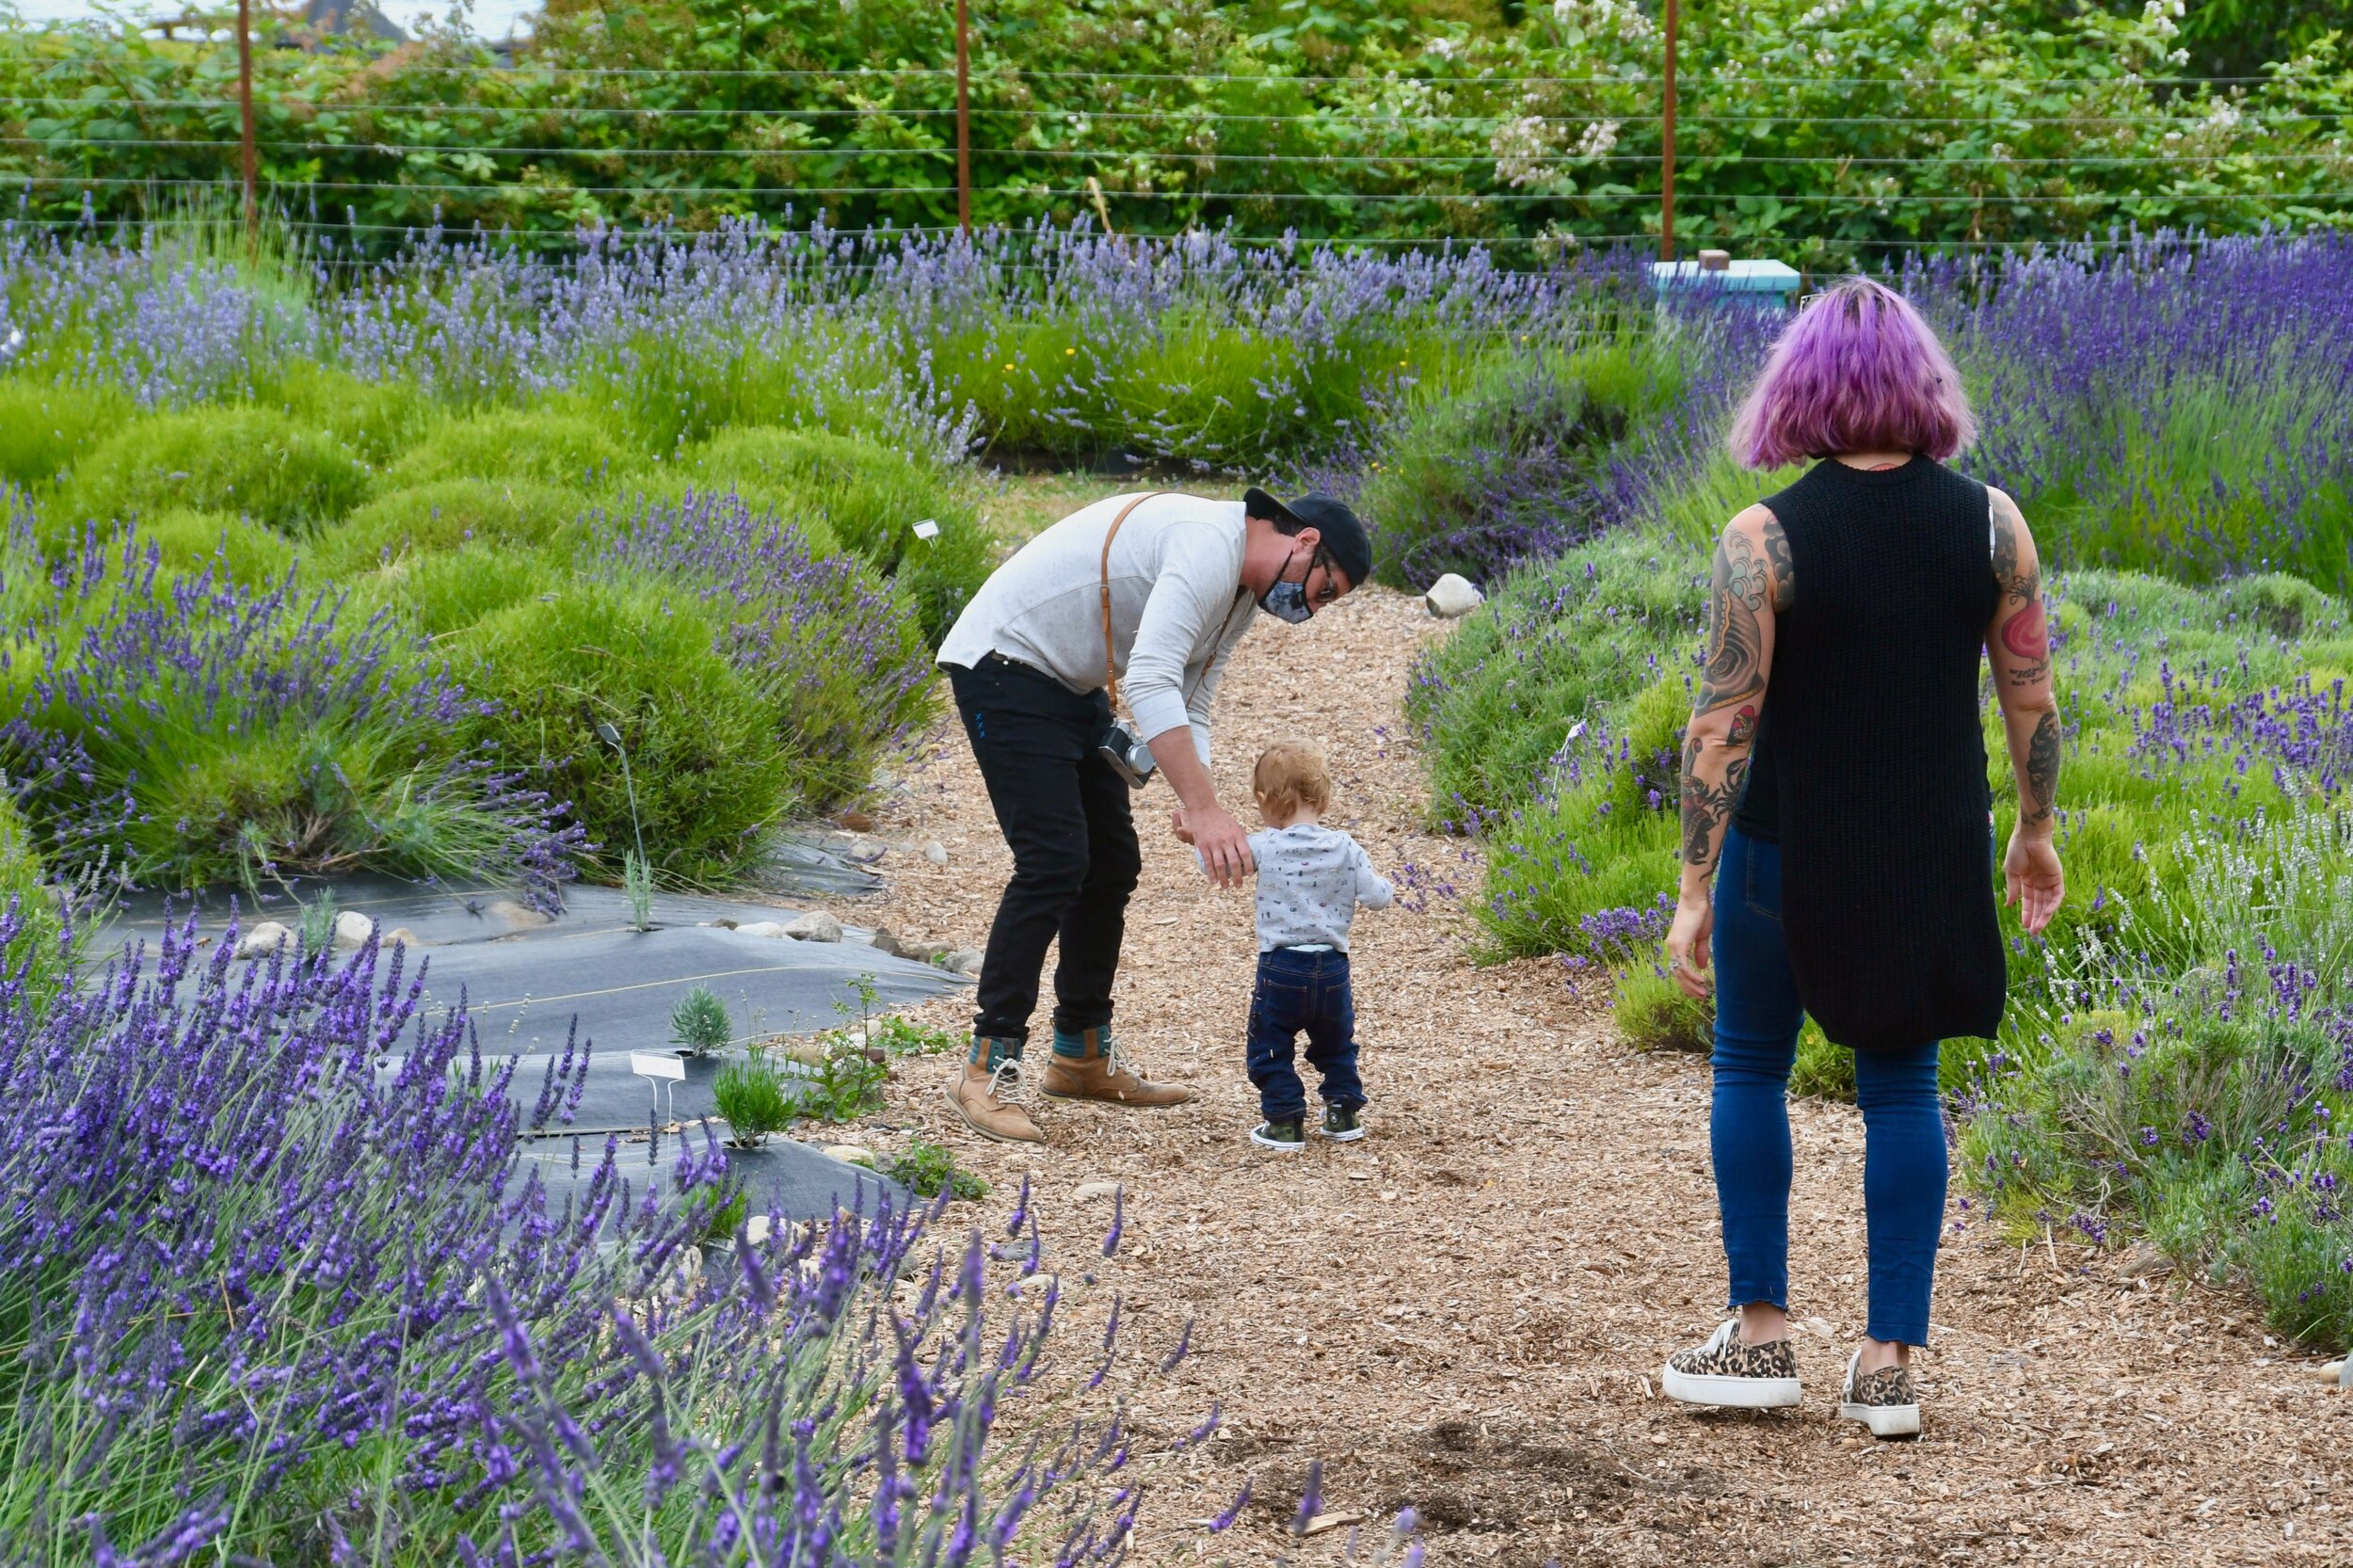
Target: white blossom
(1517, 145)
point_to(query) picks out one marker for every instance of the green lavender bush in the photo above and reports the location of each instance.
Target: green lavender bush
(708, 764)
(242, 459)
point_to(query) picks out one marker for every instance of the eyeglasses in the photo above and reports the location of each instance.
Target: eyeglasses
(1322, 557)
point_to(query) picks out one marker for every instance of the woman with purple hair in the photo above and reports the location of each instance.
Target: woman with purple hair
(1837, 824)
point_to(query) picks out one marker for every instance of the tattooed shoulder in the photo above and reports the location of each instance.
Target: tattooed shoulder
(1777, 561)
(2019, 583)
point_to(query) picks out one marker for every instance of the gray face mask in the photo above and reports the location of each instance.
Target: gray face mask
(1287, 602)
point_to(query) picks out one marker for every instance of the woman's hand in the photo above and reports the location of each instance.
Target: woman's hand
(2033, 878)
(1688, 943)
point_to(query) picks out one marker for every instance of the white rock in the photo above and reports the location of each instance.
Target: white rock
(865, 851)
(815, 926)
(400, 934)
(264, 939)
(1451, 596)
(1035, 1285)
(1090, 1191)
(762, 928)
(937, 853)
(924, 952)
(353, 929)
(966, 961)
(851, 1154)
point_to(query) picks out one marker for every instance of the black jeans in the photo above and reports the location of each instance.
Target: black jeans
(1303, 991)
(1067, 816)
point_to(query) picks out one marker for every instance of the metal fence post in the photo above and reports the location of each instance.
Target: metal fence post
(1667, 151)
(244, 120)
(963, 122)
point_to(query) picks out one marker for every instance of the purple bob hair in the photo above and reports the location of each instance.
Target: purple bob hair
(1857, 370)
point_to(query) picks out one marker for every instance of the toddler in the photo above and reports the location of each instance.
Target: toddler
(1311, 878)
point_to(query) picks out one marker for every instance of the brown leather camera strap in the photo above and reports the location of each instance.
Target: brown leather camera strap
(1111, 668)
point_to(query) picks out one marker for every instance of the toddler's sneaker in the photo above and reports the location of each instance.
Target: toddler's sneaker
(1726, 1373)
(1884, 1400)
(1285, 1135)
(1341, 1123)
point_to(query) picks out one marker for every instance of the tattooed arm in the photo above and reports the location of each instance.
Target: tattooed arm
(1751, 583)
(2019, 644)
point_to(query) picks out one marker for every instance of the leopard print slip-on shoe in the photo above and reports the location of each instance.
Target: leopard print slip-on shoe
(1884, 1400)
(1726, 1372)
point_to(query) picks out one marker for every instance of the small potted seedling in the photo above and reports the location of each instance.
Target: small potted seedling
(699, 1024)
(752, 1097)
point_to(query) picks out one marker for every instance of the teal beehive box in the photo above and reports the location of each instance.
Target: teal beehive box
(1765, 285)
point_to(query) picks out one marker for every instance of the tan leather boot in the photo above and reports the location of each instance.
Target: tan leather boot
(988, 1099)
(1099, 1076)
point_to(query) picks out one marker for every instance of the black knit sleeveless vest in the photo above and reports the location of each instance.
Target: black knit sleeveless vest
(1870, 768)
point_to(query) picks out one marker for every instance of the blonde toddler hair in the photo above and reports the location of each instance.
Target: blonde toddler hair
(1292, 775)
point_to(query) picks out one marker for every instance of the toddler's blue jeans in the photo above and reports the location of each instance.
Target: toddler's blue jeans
(1757, 1019)
(1300, 991)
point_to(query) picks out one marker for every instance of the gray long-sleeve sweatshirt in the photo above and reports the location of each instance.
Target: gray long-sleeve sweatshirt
(1178, 607)
(1311, 879)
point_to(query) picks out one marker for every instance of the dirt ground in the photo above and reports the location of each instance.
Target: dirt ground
(1466, 1311)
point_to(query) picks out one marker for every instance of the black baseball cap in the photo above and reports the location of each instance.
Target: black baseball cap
(1342, 532)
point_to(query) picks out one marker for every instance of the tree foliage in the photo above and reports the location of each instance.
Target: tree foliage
(1816, 130)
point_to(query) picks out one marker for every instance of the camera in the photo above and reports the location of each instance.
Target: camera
(1129, 757)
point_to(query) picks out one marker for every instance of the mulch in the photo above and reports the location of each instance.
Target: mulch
(1466, 1311)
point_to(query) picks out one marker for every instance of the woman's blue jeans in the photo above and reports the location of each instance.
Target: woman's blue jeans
(1757, 1018)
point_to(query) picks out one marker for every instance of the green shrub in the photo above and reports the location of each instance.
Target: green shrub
(45, 428)
(903, 1037)
(1654, 1013)
(871, 496)
(255, 462)
(675, 486)
(35, 953)
(1561, 642)
(445, 515)
(1474, 476)
(751, 1094)
(927, 1168)
(1824, 1071)
(547, 446)
(840, 663)
(440, 594)
(850, 1075)
(374, 419)
(702, 748)
(237, 548)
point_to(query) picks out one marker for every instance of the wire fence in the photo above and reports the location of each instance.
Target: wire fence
(538, 169)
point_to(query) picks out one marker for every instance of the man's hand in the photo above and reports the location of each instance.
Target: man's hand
(1199, 820)
(1223, 847)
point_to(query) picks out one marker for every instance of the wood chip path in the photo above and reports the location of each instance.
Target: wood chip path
(1466, 1311)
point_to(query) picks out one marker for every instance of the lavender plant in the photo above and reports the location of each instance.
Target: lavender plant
(194, 732)
(840, 665)
(291, 1288)
(2171, 403)
(1058, 340)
